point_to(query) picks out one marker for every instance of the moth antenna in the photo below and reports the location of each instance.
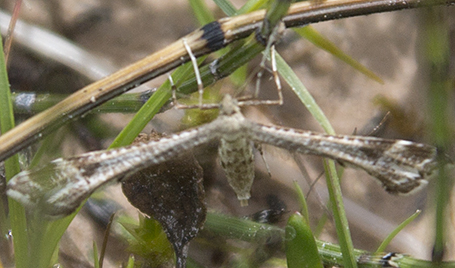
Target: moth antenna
(380, 125)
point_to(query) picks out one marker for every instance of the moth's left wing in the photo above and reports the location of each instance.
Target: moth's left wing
(59, 187)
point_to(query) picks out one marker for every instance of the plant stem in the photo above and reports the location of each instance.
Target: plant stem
(16, 211)
(438, 57)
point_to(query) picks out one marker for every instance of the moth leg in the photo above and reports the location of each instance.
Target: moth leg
(200, 85)
(261, 152)
(273, 37)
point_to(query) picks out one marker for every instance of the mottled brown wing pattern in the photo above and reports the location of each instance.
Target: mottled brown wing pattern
(59, 187)
(402, 167)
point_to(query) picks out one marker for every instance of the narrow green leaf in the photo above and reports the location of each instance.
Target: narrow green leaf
(16, 211)
(236, 228)
(226, 7)
(95, 256)
(46, 235)
(151, 107)
(201, 12)
(45, 238)
(251, 6)
(440, 108)
(304, 95)
(302, 201)
(131, 261)
(400, 227)
(339, 214)
(320, 41)
(301, 248)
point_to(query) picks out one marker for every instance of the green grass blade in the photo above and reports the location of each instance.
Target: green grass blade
(16, 211)
(226, 7)
(304, 95)
(130, 263)
(44, 239)
(302, 202)
(95, 256)
(320, 41)
(252, 5)
(45, 235)
(437, 48)
(201, 12)
(237, 228)
(400, 227)
(339, 214)
(143, 116)
(151, 107)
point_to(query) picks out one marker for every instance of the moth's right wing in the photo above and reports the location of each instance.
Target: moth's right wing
(402, 167)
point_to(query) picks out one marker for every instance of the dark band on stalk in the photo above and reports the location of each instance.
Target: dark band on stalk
(214, 35)
(389, 259)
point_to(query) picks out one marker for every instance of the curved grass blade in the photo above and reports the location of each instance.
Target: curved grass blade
(310, 34)
(400, 227)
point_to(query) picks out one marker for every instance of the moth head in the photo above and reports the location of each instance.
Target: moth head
(229, 105)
